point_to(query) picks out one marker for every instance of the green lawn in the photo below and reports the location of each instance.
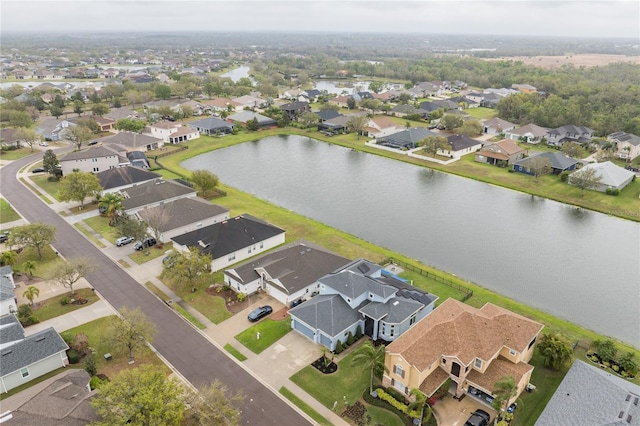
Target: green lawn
(45, 266)
(7, 213)
(87, 233)
(51, 308)
(236, 353)
(100, 224)
(15, 154)
(481, 112)
(212, 307)
(305, 407)
(193, 320)
(51, 188)
(270, 332)
(144, 256)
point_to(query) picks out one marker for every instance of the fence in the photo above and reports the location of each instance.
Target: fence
(467, 292)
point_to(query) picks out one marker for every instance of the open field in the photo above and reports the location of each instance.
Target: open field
(582, 60)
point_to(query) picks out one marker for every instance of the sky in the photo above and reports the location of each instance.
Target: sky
(600, 19)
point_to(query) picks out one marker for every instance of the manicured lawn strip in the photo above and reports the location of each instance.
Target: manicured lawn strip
(34, 382)
(51, 308)
(155, 290)
(89, 235)
(432, 286)
(481, 112)
(382, 416)
(100, 224)
(99, 334)
(51, 188)
(143, 256)
(344, 386)
(7, 213)
(212, 307)
(236, 353)
(270, 332)
(306, 408)
(193, 320)
(45, 267)
(35, 191)
(15, 154)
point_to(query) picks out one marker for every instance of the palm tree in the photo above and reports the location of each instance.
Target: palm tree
(8, 258)
(111, 206)
(29, 266)
(419, 403)
(555, 350)
(372, 357)
(31, 293)
(503, 390)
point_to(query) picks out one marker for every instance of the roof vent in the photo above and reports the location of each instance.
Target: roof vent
(396, 303)
(202, 244)
(629, 419)
(40, 339)
(635, 401)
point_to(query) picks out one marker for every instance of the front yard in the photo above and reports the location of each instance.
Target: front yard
(269, 331)
(7, 213)
(53, 307)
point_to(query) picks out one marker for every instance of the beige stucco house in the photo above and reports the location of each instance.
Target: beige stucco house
(93, 160)
(473, 347)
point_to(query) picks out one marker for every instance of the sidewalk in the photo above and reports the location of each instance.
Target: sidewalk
(68, 321)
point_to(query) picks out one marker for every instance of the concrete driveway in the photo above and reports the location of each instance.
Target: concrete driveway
(452, 412)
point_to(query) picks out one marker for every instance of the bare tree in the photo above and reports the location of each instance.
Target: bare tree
(586, 178)
(69, 273)
(214, 404)
(157, 219)
(132, 330)
(539, 166)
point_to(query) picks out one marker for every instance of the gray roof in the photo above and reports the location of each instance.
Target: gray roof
(625, 137)
(7, 285)
(589, 395)
(291, 268)
(244, 116)
(329, 313)
(32, 349)
(570, 129)
(407, 137)
(153, 192)
(352, 284)
(126, 175)
(223, 238)
(460, 142)
(182, 212)
(534, 129)
(93, 152)
(498, 123)
(210, 123)
(11, 329)
(131, 140)
(558, 160)
(612, 175)
(394, 311)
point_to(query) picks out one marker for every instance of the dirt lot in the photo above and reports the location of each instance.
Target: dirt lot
(590, 60)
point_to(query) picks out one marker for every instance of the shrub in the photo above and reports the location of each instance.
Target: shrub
(510, 170)
(25, 315)
(90, 365)
(96, 382)
(350, 339)
(73, 356)
(396, 404)
(241, 297)
(339, 347)
(564, 176)
(65, 301)
(395, 393)
(226, 287)
(359, 333)
(67, 337)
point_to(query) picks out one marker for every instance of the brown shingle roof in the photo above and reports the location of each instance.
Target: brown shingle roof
(498, 368)
(433, 381)
(456, 329)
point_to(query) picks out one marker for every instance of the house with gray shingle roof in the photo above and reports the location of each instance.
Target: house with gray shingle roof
(627, 145)
(361, 295)
(496, 126)
(243, 116)
(8, 302)
(181, 216)
(212, 126)
(132, 141)
(24, 358)
(405, 139)
(589, 395)
(93, 160)
(611, 176)
(115, 180)
(556, 160)
(569, 133)
(153, 193)
(531, 133)
(288, 275)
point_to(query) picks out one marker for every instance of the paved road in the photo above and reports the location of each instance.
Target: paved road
(185, 348)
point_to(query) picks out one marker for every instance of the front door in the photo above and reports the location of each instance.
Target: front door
(455, 369)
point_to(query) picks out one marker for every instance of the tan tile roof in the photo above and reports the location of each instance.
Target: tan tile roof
(220, 102)
(165, 125)
(460, 330)
(499, 368)
(384, 122)
(433, 381)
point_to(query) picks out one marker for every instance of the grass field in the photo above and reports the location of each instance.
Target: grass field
(7, 213)
(212, 307)
(51, 308)
(50, 188)
(236, 353)
(45, 266)
(270, 332)
(304, 407)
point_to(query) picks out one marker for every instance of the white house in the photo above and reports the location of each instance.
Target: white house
(8, 302)
(172, 133)
(612, 176)
(93, 160)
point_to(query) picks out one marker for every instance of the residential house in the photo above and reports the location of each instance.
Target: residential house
(153, 193)
(8, 301)
(25, 358)
(120, 178)
(222, 104)
(490, 100)
(530, 133)
(138, 159)
(53, 129)
(379, 127)
(295, 109)
(106, 124)
(338, 124)
(404, 110)
(250, 101)
(232, 240)
(132, 141)
(123, 112)
(7, 137)
(172, 132)
(327, 114)
(588, 395)
(524, 88)
(294, 95)
(289, 274)
(362, 296)
(465, 102)
(173, 104)
(243, 116)
(502, 92)
(473, 347)
(342, 101)
(197, 108)
(64, 402)
(212, 126)
(496, 126)
(569, 133)
(180, 216)
(611, 176)
(627, 145)
(312, 95)
(557, 161)
(501, 153)
(461, 145)
(94, 159)
(405, 139)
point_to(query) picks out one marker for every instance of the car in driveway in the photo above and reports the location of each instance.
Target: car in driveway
(170, 259)
(147, 242)
(123, 241)
(478, 418)
(4, 237)
(37, 170)
(43, 144)
(260, 313)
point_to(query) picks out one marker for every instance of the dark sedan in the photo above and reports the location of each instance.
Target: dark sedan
(478, 418)
(260, 312)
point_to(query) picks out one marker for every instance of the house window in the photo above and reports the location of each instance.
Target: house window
(24, 372)
(96, 169)
(397, 369)
(512, 352)
(412, 320)
(249, 250)
(261, 244)
(478, 363)
(444, 361)
(392, 330)
(94, 160)
(532, 343)
(232, 257)
(384, 328)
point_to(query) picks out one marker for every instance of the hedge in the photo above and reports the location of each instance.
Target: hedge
(397, 404)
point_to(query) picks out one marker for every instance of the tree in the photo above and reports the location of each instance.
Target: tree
(99, 109)
(56, 110)
(214, 404)
(432, 144)
(606, 349)
(253, 124)
(78, 107)
(50, 162)
(29, 136)
(190, 268)
(79, 185)
(376, 86)
(31, 293)
(8, 258)
(586, 178)
(372, 357)
(78, 135)
(111, 206)
(539, 166)
(351, 103)
(628, 363)
(143, 396)
(157, 219)
(470, 128)
(572, 149)
(451, 121)
(131, 227)
(372, 105)
(29, 266)
(162, 91)
(130, 125)
(503, 390)
(20, 119)
(309, 119)
(89, 123)
(34, 235)
(132, 330)
(555, 350)
(69, 273)
(418, 404)
(357, 124)
(205, 180)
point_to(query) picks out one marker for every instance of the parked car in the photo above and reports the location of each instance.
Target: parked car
(260, 312)
(169, 260)
(37, 170)
(478, 418)
(43, 144)
(122, 241)
(4, 237)
(147, 242)
(92, 143)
